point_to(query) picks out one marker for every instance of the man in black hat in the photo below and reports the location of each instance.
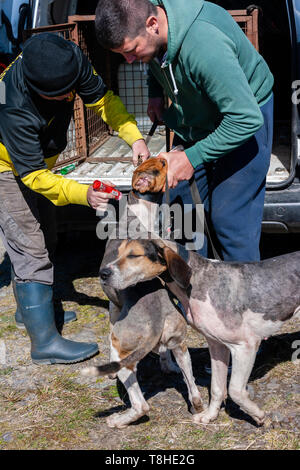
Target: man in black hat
(40, 88)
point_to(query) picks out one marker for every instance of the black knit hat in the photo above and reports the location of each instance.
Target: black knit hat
(50, 64)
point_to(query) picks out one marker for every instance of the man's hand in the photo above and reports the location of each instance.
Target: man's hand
(99, 199)
(139, 149)
(155, 109)
(179, 167)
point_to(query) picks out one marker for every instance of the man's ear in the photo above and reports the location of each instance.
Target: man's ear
(152, 24)
(178, 269)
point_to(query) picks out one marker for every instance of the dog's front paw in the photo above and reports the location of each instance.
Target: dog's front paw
(261, 420)
(121, 420)
(114, 421)
(205, 417)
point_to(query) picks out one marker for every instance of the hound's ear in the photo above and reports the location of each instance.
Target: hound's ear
(178, 269)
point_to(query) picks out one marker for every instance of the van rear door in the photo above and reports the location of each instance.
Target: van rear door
(293, 10)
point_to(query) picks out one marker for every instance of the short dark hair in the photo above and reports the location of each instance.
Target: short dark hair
(118, 19)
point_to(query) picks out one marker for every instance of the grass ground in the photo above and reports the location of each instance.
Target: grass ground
(54, 407)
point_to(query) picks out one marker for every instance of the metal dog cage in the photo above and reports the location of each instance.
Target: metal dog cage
(248, 21)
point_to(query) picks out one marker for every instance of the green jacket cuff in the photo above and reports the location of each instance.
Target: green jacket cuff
(193, 155)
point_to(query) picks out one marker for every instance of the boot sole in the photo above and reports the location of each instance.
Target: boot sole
(62, 361)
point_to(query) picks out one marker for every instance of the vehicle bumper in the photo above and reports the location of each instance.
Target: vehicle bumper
(282, 210)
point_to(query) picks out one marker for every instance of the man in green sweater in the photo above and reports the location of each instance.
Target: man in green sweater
(221, 112)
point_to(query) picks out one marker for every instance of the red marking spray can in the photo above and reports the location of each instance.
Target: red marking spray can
(99, 186)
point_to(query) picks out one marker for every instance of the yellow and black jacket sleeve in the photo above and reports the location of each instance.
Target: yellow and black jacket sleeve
(113, 112)
(33, 168)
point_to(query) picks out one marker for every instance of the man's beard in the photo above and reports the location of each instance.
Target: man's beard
(158, 51)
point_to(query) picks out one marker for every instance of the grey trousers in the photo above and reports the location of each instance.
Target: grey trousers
(27, 229)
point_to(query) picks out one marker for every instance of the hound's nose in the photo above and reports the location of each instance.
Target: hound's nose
(105, 273)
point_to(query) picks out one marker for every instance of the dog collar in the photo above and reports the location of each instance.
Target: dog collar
(150, 197)
(165, 277)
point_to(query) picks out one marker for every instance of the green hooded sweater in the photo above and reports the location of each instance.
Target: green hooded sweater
(214, 76)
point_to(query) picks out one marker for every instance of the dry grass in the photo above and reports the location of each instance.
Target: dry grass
(54, 407)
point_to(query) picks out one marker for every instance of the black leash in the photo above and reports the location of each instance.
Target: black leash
(194, 192)
(197, 200)
(151, 132)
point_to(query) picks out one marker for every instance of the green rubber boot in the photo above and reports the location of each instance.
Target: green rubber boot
(47, 345)
(61, 318)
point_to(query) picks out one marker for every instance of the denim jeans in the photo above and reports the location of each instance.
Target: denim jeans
(232, 189)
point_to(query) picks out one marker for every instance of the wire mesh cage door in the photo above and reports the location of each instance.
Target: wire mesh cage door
(95, 129)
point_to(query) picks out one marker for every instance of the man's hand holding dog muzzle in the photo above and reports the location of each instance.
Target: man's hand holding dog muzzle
(140, 151)
(179, 167)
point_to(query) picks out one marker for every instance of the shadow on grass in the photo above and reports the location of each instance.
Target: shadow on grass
(5, 277)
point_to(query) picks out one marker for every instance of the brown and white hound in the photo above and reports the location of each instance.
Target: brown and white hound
(143, 317)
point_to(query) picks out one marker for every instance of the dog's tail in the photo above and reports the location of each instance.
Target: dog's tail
(114, 367)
